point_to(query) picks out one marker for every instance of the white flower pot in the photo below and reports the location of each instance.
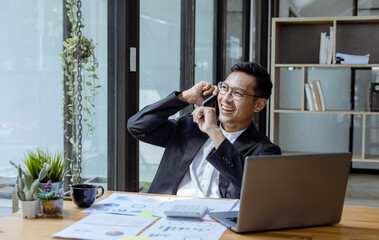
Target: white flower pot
(30, 209)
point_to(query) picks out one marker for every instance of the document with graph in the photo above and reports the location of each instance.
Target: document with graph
(129, 204)
(103, 226)
(182, 229)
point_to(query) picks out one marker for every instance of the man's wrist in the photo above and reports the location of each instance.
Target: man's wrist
(185, 97)
(217, 136)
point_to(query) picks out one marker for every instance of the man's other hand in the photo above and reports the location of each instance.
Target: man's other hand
(206, 119)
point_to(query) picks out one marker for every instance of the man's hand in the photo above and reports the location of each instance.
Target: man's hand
(198, 93)
(206, 118)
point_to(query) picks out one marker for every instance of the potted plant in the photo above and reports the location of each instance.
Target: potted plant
(80, 82)
(26, 190)
(51, 200)
(34, 161)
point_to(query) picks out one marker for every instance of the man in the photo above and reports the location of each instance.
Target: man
(204, 156)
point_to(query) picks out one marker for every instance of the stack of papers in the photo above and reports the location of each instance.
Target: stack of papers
(353, 59)
(123, 216)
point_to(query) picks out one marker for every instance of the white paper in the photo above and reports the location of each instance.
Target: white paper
(214, 205)
(168, 228)
(236, 207)
(353, 59)
(105, 226)
(130, 204)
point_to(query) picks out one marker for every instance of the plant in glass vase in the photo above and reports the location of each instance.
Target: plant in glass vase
(51, 200)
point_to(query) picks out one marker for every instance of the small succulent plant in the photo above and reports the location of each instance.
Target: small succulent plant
(25, 186)
(48, 193)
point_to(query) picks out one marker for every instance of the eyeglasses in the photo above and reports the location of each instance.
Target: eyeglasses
(237, 94)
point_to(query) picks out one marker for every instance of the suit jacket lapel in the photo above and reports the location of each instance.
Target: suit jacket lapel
(247, 139)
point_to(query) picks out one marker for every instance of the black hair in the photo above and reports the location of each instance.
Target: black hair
(263, 84)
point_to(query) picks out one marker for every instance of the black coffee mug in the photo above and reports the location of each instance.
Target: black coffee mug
(84, 195)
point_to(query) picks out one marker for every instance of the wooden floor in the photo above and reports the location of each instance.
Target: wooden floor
(362, 190)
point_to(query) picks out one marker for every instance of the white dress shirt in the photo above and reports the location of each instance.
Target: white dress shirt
(201, 179)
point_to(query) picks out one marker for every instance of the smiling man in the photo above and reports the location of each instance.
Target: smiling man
(204, 154)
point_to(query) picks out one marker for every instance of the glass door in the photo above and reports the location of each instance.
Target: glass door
(234, 34)
(159, 68)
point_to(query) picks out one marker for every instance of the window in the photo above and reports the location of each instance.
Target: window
(31, 82)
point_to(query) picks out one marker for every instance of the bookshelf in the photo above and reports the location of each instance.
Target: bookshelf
(347, 124)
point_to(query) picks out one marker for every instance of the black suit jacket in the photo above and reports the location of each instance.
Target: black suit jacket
(182, 139)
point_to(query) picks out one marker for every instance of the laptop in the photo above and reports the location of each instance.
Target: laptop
(289, 191)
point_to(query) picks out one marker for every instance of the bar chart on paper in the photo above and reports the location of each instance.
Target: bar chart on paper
(127, 204)
(185, 230)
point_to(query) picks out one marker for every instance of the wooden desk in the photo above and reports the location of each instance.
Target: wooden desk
(356, 223)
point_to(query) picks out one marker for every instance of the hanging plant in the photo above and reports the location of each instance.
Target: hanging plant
(79, 65)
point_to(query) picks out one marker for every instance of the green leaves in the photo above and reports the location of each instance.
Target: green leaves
(34, 162)
(25, 185)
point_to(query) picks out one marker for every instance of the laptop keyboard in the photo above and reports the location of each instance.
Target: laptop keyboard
(233, 219)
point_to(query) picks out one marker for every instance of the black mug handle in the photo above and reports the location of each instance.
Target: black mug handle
(101, 193)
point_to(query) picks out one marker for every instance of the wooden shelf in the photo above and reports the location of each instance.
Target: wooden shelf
(316, 20)
(297, 40)
(282, 65)
(295, 44)
(326, 112)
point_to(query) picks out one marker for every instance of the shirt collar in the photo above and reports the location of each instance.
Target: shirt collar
(231, 136)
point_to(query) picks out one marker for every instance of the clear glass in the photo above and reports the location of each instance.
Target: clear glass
(357, 134)
(290, 90)
(30, 79)
(234, 34)
(372, 136)
(302, 132)
(159, 67)
(31, 82)
(327, 8)
(95, 147)
(368, 7)
(335, 84)
(204, 32)
(52, 208)
(315, 8)
(363, 79)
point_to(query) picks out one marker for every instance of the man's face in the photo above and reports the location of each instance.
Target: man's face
(237, 115)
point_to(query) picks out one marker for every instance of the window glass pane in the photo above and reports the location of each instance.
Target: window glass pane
(234, 24)
(299, 132)
(290, 82)
(327, 8)
(372, 137)
(95, 146)
(30, 79)
(31, 82)
(368, 7)
(204, 41)
(335, 84)
(159, 66)
(315, 8)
